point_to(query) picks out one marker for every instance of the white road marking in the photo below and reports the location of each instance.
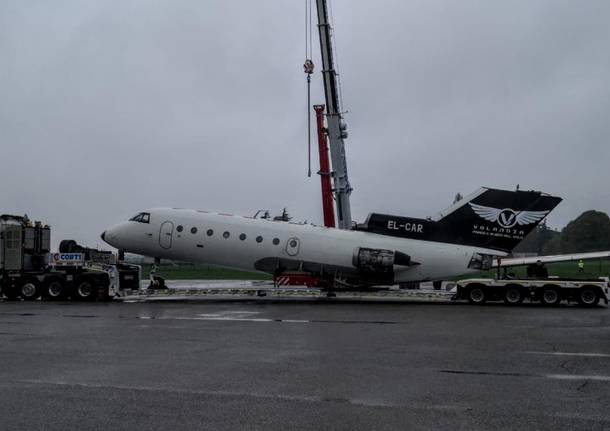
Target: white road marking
(236, 313)
(583, 354)
(239, 316)
(228, 316)
(232, 319)
(577, 377)
(601, 378)
(237, 319)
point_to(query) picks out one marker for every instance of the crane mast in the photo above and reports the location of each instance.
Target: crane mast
(336, 128)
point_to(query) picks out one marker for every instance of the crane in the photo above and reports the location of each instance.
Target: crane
(336, 129)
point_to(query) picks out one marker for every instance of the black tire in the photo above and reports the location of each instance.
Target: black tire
(29, 289)
(550, 296)
(588, 296)
(477, 295)
(513, 295)
(84, 289)
(55, 289)
(157, 283)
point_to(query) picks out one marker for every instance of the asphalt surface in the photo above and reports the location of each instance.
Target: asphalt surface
(271, 365)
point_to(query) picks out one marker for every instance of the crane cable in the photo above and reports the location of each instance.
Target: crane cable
(308, 69)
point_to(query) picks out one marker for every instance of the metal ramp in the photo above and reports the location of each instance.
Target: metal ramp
(265, 290)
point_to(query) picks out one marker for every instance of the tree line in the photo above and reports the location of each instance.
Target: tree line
(590, 231)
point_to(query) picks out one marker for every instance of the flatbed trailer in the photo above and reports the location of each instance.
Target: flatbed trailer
(244, 289)
(548, 291)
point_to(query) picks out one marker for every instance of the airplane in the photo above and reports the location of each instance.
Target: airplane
(473, 234)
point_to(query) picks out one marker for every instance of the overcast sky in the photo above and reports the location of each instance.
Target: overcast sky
(110, 107)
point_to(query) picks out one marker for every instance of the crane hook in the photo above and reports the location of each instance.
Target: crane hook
(308, 66)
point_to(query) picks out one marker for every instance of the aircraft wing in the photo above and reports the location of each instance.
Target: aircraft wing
(520, 261)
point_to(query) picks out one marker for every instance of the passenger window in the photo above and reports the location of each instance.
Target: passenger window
(226, 234)
(242, 236)
(193, 230)
(276, 241)
(259, 239)
(179, 228)
(210, 232)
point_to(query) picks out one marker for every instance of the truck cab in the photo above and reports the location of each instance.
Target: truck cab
(28, 270)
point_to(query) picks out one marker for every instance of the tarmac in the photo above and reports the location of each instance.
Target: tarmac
(305, 365)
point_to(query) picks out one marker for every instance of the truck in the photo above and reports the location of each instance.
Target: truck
(549, 291)
(29, 270)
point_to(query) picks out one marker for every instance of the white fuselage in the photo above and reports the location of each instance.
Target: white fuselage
(240, 242)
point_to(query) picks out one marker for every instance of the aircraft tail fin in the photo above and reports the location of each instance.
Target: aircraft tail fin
(497, 219)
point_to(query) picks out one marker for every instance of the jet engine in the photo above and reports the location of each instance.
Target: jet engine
(379, 260)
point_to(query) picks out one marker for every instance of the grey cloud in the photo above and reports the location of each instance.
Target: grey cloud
(110, 107)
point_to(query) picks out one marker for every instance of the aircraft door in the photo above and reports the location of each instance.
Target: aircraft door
(292, 246)
(165, 234)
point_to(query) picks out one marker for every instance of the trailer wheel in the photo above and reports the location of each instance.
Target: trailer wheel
(55, 289)
(160, 282)
(477, 295)
(29, 289)
(550, 296)
(513, 295)
(84, 289)
(588, 296)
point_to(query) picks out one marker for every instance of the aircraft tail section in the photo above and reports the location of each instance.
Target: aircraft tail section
(497, 219)
(488, 218)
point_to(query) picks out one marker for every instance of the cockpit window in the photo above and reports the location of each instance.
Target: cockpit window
(141, 218)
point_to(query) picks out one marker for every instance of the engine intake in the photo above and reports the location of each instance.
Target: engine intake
(379, 260)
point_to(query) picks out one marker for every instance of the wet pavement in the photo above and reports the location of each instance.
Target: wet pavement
(280, 365)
